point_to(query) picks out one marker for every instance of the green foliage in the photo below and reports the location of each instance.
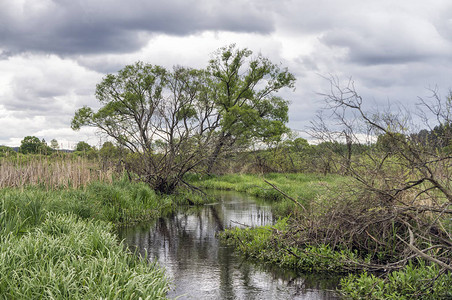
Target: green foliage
(262, 244)
(419, 281)
(86, 150)
(81, 117)
(32, 145)
(5, 150)
(83, 146)
(245, 109)
(109, 151)
(66, 258)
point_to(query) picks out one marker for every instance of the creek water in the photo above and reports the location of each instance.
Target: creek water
(202, 267)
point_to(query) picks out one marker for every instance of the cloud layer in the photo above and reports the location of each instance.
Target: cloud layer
(53, 52)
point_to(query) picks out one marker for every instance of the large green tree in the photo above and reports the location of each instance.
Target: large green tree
(242, 88)
(180, 120)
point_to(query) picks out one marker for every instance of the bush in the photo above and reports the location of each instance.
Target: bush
(419, 281)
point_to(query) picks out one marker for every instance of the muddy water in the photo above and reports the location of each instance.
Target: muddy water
(201, 267)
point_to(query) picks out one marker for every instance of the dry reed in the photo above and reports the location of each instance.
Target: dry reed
(55, 172)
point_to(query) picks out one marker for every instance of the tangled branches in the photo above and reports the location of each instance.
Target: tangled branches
(401, 205)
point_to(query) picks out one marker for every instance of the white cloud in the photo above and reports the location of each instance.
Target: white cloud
(40, 92)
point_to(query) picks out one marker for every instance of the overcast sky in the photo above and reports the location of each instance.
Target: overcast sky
(54, 52)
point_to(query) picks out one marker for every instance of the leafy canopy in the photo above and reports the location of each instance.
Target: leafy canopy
(183, 119)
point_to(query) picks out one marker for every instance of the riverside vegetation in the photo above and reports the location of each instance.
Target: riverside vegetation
(387, 224)
(377, 205)
(57, 231)
(319, 234)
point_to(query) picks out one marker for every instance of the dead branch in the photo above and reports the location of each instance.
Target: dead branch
(422, 254)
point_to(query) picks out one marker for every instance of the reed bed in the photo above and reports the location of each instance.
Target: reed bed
(52, 172)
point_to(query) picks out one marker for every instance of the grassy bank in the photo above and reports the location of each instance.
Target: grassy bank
(59, 243)
(305, 188)
(266, 244)
(121, 203)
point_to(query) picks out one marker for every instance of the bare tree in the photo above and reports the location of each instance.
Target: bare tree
(404, 194)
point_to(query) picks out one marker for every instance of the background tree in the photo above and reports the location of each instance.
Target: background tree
(32, 145)
(54, 144)
(182, 120)
(82, 146)
(5, 151)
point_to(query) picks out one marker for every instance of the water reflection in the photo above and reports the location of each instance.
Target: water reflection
(203, 268)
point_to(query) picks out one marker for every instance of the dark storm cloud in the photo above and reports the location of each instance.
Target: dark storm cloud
(94, 26)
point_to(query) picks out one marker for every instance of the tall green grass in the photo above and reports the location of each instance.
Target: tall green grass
(414, 281)
(58, 244)
(67, 258)
(121, 203)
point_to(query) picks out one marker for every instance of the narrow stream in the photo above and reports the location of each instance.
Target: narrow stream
(201, 267)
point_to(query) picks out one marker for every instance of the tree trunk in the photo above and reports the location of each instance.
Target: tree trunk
(213, 158)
